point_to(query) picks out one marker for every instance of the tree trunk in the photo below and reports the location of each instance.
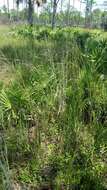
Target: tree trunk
(88, 13)
(8, 9)
(30, 12)
(17, 12)
(54, 14)
(68, 12)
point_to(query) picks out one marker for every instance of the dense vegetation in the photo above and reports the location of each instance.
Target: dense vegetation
(53, 108)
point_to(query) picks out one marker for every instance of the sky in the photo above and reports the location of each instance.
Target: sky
(77, 4)
(11, 3)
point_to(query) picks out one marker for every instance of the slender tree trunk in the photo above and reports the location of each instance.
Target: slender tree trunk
(73, 20)
(25, 4)
(68, 10)
(17, 12)
(88, 16)
(80, 12)
(91, 6)
(54, 13)
(8, 9)
(30, 12)
(61, 12)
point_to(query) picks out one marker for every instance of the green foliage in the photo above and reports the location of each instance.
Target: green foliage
(53, 114)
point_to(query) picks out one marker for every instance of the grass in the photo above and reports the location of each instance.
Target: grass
(53, 110)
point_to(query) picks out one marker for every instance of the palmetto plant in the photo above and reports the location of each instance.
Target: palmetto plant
(6, 108)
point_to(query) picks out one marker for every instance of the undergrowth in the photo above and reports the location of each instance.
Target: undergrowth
(53, 114)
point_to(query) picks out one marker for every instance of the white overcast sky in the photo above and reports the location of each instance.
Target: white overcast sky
(77, 3)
